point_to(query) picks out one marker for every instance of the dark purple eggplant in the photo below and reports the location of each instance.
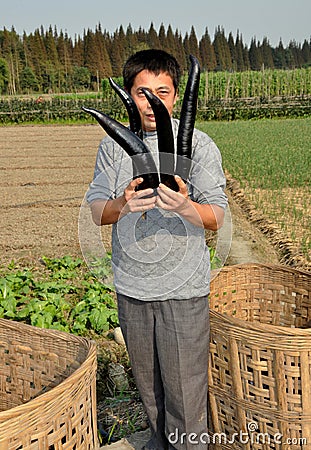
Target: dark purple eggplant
(187, 120)
(142, 160)
(131, 107)
(165, 140)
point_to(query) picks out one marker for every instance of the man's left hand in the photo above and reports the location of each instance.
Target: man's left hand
(173, 201)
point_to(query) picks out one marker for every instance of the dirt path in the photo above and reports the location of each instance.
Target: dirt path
(45, 171)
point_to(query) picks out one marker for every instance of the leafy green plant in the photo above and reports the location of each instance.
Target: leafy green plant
(64, 295)
(96, 310)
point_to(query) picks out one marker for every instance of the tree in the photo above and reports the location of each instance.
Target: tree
(255, 56)
(239, 53)
(96, 56)
(306, 53)
(12, 53)
(37, 57)
(266, 52)
(29, 81)
(170, 41)
(117, 52)
(222, 50)
(295, 50)
(193, 44)
(180, 51)
(131, 41)
(279, 56)
(4, 76)
(233, 52)
(77, 52)
(81, 78)
(162, 37)
(152, 37)
(207, 53)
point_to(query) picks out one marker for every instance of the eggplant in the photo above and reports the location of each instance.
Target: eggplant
(165, 140)
(142, 160)
(187, 120)
(131, 107)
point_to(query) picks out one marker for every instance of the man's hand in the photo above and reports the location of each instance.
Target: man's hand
(206, 216)
(173, 201)
(106, 212)
(138, 201)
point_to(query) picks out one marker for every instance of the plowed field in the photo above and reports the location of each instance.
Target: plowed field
(44, 174)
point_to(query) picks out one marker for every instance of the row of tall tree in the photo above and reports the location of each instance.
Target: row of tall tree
(51, 61)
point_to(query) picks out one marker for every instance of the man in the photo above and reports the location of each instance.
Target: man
(161, 261)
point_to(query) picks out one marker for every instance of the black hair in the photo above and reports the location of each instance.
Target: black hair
(153, 60)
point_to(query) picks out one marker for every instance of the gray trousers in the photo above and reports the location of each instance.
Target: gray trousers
(168, 344)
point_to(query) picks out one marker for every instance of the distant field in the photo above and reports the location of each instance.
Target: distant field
(271, 159)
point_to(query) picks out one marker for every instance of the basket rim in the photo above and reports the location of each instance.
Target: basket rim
(247, 329)
(44, 398)
(253, 265)
(264, 328)
(39, 331)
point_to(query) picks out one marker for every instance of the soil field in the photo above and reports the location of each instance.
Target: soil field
(44, 175)
(45, 172)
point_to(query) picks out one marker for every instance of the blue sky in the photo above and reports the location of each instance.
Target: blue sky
(274, 19)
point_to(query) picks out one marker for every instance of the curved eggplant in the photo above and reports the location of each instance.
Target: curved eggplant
(165, 140)
(142, 160)
(132, 110)
(187, 120)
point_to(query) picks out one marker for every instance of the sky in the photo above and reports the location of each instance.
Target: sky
(274, 19)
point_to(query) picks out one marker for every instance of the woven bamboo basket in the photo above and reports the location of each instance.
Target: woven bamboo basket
(260, 358)
(47, 389)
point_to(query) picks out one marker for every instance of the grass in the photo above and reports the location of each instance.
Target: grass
(272, 161)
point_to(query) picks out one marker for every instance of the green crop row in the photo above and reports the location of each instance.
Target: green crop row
(267, 83)
(265, 154)
(271, 160)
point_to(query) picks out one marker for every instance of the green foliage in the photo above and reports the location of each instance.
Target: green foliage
(29, 81)
(264, 84)
(265, 154)
(4, 76)
(64, 296)
(81, 78)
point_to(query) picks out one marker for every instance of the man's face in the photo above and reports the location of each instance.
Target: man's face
(160, 85)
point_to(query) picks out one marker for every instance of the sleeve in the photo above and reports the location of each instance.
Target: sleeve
(103, 185)
(207, 180)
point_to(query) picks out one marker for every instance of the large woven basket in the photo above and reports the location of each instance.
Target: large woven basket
(47, 389)
(260, 358)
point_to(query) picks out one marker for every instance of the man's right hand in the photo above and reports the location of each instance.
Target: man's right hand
(106, 212)
(136, 200)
